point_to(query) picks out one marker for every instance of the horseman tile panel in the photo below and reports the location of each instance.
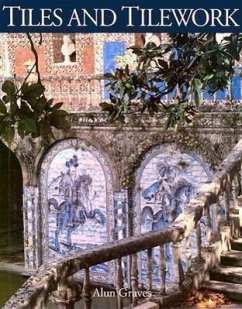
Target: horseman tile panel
(77, 202)
(165, 183)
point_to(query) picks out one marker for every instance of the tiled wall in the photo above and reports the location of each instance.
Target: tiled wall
(166, 181)
(77, 200)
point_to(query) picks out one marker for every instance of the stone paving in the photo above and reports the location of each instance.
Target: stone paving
(231, 306)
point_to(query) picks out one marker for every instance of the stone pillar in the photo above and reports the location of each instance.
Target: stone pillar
(239, 202)
(121, 228)
(31, 233)
(120, 215)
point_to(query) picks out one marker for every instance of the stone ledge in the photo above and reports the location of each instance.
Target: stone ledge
(148, 305)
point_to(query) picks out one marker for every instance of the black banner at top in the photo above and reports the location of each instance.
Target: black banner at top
(121, 16)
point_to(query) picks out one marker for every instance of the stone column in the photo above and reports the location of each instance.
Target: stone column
(120, 215)
(121, 229)
(31, 233)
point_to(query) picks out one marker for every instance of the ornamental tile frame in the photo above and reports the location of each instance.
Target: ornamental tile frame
(73, 146)
(31, 218)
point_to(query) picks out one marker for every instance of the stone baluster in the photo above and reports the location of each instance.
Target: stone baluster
(134, 279)
(208, 223)
(227, 197)
(162, 271)
(67, 292)
(41, 305)
(199, 241)
(178, 263)
(188, 252)
(240, 177)
(217, 217)
(120, 283)
(235, 188)
(149, 270)
(86, 291)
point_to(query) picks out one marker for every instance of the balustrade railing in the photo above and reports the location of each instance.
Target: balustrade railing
(211, 217)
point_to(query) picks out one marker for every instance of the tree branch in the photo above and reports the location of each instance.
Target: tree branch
(34, 51)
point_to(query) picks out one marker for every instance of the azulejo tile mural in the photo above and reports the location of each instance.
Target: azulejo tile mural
(77, 202)
(165, 183)
(77, 191)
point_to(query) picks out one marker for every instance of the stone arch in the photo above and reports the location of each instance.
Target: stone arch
(77, 160)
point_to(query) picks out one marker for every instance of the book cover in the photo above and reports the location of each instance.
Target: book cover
(114, 122)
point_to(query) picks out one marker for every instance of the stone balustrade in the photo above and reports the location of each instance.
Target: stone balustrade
(215, 120)
(214, 204)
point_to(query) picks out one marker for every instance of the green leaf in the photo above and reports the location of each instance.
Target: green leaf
(33, 90)
(50, 101)
(57, 106)
(163, 63)
(31, 94)
(197, 98)
(197, 84)
(107, 107)
(3, 109)
(9, 87)
(14, 108)
(40, 104)
(27, 125)
(7, 98)
(109, 75)
(208, 77)
(25, 109)
(57, 119)
(45, 130)
(8, 134)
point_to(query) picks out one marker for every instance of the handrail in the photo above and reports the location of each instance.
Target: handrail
(49, 274)
(119, 248)
(224, 185)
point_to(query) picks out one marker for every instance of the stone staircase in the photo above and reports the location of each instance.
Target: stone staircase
(227, 277)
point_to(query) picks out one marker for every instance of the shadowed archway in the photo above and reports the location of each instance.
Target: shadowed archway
(11, 219)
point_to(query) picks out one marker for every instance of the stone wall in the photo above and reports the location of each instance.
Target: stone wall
(124, 159)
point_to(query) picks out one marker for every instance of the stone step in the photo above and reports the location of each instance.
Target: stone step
(232, 258)
(231, 290)
(227, 273)
(147, 305)
(236, 244)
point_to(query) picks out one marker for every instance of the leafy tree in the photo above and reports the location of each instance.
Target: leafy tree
(187, 64)
(25, 109)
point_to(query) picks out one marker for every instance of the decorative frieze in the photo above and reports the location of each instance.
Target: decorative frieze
(31, 227)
